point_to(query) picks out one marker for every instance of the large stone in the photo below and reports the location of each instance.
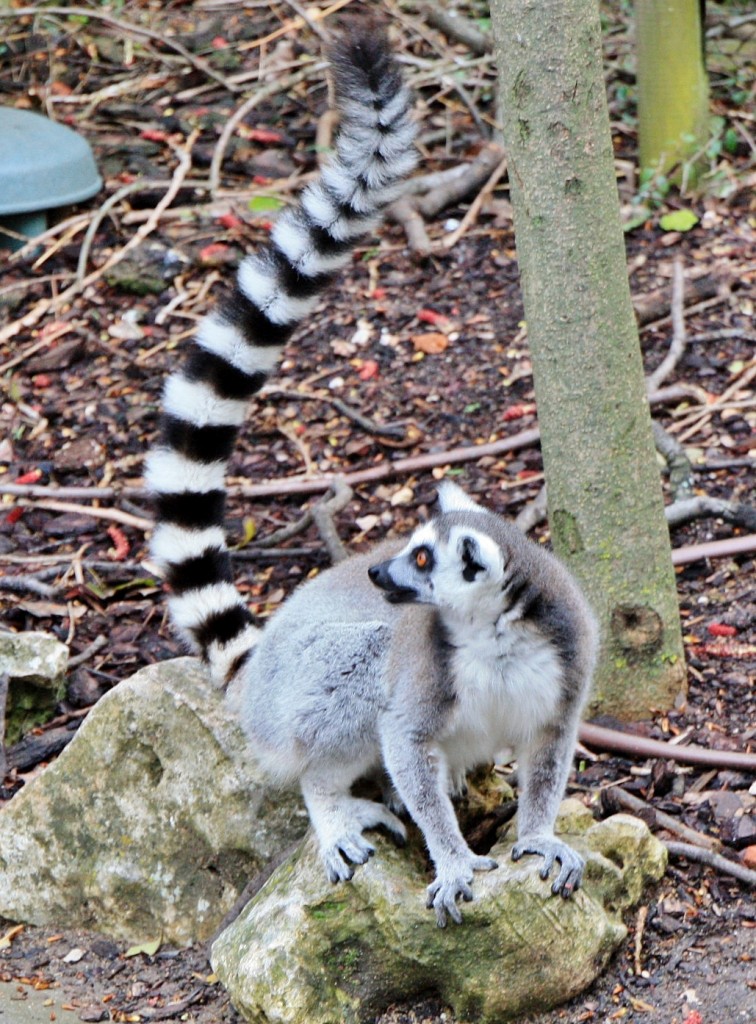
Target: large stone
(306, 952)
(35, 664)
(151, 821)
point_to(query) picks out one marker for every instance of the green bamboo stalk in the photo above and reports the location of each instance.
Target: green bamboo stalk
(673, 88)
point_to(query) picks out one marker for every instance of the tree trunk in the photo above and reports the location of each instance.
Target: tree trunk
(604, 491)
(673, 90)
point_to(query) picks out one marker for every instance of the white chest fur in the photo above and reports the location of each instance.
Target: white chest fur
(507, 688)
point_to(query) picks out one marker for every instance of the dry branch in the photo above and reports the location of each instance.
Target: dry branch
(678, 463)
(471, 215)
(112, 514)
(713, 860)
(458, 28)
(676, 349)
(702, 507)
(615, 798)
(260, 94)
(640, 746)
(714, 549)
(655, 306)
(459, 186)
(323, 513)
(33, 748)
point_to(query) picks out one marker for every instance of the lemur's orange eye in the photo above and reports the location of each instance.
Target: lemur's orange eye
(422, 558)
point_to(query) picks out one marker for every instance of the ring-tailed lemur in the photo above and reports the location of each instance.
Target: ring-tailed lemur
(425, 658)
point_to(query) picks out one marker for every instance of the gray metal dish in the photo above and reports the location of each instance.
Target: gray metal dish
(43, 164)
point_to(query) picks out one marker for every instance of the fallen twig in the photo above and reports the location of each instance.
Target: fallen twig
(458, 28)
(677, 347)
(260, 94)
(702, 507)
(386, 470)
(640, 926)
(471, 215)
(699, 418)
(293, 26)
(323, 513)
(45, 341)
(713, 860)
(368, 425)
(404, 212)
(615, 797)
(84, 655)
(170, 1009)
(641, 746)
(27, 584)
(714, 549)
(34, 748)
(113, 514)
(655, 306)
(533, 513)
(458, 187)
(102, 212)
(678, 463)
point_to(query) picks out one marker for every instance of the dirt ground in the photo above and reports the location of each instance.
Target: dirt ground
(435, 349)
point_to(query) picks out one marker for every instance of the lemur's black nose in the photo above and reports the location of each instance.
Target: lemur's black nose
(380, 576)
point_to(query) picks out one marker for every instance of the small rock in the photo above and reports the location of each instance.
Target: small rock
(35, 664)
(748, 857)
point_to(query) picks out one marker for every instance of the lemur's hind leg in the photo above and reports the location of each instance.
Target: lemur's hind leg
(340, 818)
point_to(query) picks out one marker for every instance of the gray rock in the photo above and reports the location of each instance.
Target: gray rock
(152, 820)
(306, 951)
(35, 664)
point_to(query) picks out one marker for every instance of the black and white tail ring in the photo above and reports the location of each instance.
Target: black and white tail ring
(238, 345)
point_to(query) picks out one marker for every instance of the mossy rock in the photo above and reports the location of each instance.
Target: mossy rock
(35, 664)
(306, 951)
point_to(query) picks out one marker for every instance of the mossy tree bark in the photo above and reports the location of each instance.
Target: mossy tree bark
(673, 90)
(604, 491)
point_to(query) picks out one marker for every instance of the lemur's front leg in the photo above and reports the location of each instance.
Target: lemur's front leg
(418, 770)
(543, 769)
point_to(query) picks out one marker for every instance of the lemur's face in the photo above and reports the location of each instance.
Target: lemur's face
(445, 563)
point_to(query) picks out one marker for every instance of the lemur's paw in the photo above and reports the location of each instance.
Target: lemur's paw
(453, 881)
(337, 857)
(396, 828)
(571, 863)
(442, 897)
(370, 814)
(483, 863)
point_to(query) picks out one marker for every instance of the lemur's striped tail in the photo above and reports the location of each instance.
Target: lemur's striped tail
(239, 344)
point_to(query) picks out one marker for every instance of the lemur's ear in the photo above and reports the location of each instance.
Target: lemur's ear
(480, 557)
(472, 558)
(452, 498)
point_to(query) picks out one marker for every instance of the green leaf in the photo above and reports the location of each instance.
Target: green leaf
(250, 532)
(679, 220)
(265, 204)
(639, 216)
(148, 948)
